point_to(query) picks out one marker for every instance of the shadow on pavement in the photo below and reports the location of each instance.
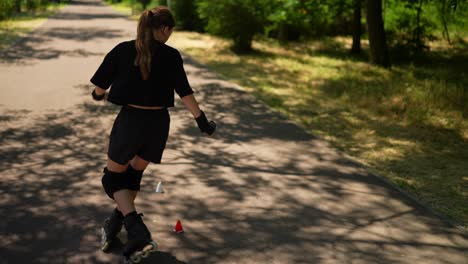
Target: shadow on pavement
(34, 46)
(283, 196)
(84, 16)
(262, 191)
(163, 258)
(30, 48)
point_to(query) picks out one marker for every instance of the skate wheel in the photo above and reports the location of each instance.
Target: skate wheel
(103, 236)
(135, 259)
(105, 246)
(154, 247)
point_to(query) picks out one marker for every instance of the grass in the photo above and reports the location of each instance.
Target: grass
(408, 124)
(22, 24)
(125, 8)
(131, 8)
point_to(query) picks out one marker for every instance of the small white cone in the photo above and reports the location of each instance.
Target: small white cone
(159, 188)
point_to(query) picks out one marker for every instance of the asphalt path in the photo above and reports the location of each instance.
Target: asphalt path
(261, 191)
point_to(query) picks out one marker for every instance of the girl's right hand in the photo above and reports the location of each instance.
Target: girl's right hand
(206, 127)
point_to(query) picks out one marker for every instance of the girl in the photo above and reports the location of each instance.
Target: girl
(144, 74)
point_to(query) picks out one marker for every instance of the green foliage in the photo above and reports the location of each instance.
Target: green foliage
(238, 20)
(7, 8)
(186, 15)
(412, 24)
(291, 19)
(144, 3)
(10, 8)
(135, 7)
(35, 4)
(452, 14)
(286, 19)
(282, 19)
(409, 25)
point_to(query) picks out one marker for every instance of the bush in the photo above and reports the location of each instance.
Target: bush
(186, 15)
(238, 20)
(33, 4)
(403, 31)
(7, 8)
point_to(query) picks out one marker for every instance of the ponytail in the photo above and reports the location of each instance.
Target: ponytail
(150, 20)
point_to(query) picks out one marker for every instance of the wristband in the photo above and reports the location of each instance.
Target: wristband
(97, 97)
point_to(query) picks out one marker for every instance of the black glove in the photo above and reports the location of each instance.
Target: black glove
(205, 126)
(97, 97)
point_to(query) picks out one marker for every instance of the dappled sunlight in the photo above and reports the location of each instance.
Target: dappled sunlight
(50, 166)
(261, 190)
(233, 199)
(386, 118)
(19, 26)
(191, 41)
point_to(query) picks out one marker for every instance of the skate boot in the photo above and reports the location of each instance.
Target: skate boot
(139, 245)
(111, 229)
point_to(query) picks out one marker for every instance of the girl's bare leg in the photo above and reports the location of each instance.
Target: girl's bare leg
(125, 198)
(138, 164)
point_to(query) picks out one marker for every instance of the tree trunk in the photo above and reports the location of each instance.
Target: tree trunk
(144, 3)
(18, 6)
(357, 26)
(377, 41)
(418, 34)
(444, 21)
(283, 32)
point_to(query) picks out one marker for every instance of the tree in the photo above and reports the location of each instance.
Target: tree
(18, 6)
(144, 3)
(235, 19)
(357, 27)
(6, 8)
(377, 40)
(417, 36)
(447, 10)
(186, 15)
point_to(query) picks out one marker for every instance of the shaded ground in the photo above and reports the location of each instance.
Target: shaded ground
(405, 123)
(262, 191)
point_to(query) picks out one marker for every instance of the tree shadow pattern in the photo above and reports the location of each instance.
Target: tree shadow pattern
(35, 46)
(300, 181)
(264, 189)
(359, 99)
(30, 48)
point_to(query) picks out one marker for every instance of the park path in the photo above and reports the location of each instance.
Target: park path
(262, 191)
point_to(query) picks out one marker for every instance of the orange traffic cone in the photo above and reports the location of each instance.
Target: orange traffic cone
(178, 227)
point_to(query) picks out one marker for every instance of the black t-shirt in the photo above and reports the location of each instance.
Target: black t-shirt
(128, 87)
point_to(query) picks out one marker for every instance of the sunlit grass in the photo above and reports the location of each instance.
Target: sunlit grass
(22, 24)
(126, 9)
(130, 8)
(407, 123)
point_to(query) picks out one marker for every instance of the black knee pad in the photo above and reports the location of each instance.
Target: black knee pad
(134, 178)
(114, 181)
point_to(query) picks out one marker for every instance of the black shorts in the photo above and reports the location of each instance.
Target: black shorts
(139, 132)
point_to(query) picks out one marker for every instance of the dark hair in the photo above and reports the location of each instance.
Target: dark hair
(149, 21)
